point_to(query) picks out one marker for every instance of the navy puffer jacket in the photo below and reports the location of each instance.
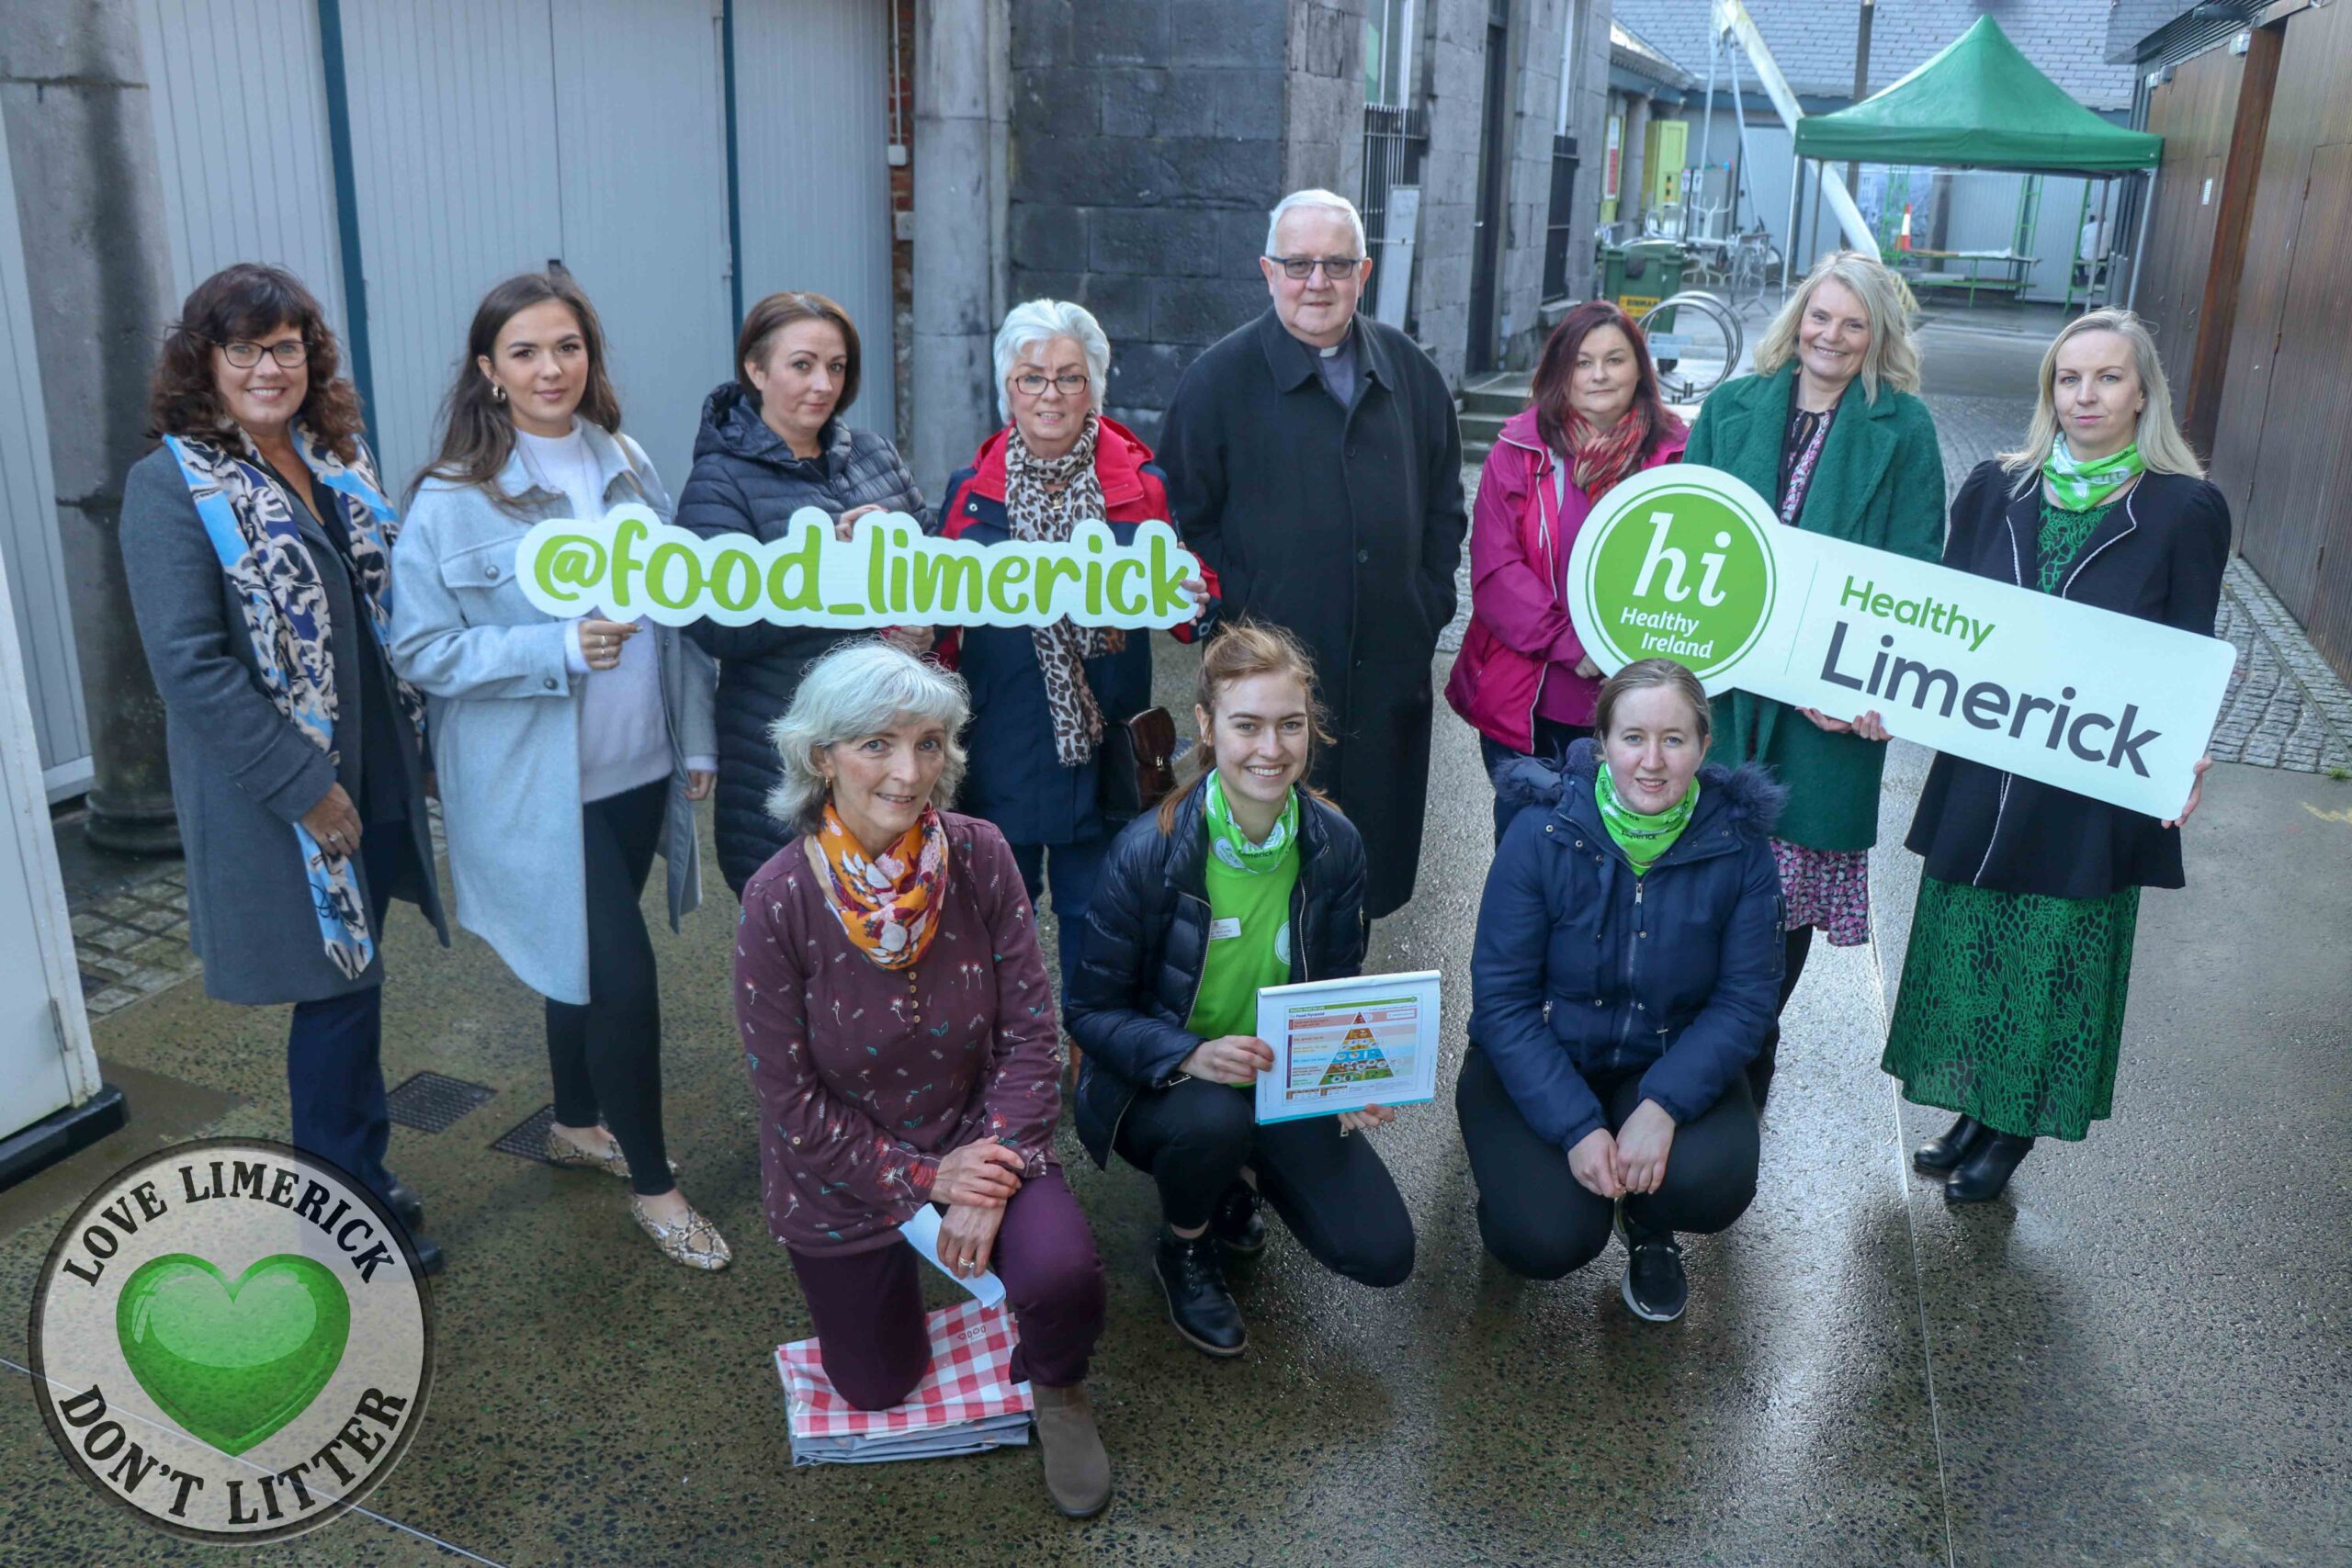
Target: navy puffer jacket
(1580, 967)
(1146, 942)
(746, 480)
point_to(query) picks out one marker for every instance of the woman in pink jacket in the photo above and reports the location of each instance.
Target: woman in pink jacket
(1524, 680)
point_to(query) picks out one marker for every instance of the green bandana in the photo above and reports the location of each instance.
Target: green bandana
(2078, 487)
(1232, 846)
(1643, 839)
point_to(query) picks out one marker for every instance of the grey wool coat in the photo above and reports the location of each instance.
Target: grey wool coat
(503, 708)
(244, 774)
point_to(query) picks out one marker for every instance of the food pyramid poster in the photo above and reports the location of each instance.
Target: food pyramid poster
(1359, 1059)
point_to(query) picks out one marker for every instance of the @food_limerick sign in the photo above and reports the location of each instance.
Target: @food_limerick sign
(1688, 563)
(890, 573)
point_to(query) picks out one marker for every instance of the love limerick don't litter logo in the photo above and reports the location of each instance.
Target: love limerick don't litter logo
(232, 1339)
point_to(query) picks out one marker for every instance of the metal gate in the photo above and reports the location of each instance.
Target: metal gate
(1557, 236)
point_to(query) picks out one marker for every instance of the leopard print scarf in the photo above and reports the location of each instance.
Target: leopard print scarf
(1045, 499)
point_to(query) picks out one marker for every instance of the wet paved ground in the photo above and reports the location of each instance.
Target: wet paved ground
(2141, 1356)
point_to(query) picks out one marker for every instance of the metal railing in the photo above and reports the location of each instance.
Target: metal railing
(1394, 141)
(1557, 227)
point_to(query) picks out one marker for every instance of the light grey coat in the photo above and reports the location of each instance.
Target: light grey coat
(503, 714)
(243, 772)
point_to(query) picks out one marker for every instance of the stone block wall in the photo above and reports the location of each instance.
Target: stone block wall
(1149, 137)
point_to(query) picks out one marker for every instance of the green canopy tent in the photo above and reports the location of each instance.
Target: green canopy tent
(1980, 105)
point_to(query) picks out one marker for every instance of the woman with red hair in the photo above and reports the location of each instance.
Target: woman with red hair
(1524, 680)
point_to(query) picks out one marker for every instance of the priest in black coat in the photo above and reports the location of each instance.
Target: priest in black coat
(1314, 462)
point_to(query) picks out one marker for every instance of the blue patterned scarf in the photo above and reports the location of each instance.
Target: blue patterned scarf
(253, 531)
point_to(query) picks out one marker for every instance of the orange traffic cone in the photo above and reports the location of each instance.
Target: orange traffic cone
(1902, 240)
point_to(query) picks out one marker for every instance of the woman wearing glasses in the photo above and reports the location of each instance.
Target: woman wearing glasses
(773, 441)
(1044, 698)
(255, 540)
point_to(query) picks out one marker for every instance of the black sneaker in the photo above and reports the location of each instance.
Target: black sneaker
(1198, 1304)
(1656, 1288)
(1236, 1222)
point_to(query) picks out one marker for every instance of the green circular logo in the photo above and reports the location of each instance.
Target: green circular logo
(1679, 570)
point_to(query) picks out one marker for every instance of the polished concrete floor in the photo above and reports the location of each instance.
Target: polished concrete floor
(2141, 1357)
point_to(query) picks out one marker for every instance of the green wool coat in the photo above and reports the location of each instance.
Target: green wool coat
(1881, 483)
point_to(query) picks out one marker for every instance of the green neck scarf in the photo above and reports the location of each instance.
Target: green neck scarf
(1232, 846)
(1643, 839)
(2078, 487)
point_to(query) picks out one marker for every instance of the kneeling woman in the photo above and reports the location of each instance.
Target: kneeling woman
(1244, 879)
(1625, 971)
(899, 1031)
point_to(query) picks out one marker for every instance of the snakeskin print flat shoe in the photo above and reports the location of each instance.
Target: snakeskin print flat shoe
(561, 1150)
(695, 1241)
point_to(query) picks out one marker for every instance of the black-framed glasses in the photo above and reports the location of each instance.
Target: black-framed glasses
(1033, 385)
(290, 353)
(1298, 269)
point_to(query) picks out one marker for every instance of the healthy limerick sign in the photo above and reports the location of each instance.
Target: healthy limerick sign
(1691, 564)
(889, 573)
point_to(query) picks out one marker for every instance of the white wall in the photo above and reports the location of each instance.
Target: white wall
(813, 121)
(29, 540)
(239, 104)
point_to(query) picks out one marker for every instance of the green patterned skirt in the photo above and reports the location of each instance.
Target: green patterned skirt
(2011, 1008)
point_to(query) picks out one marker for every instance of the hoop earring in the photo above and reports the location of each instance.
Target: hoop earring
(497, 393)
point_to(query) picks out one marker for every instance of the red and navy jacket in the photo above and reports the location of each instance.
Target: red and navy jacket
(1013, 779)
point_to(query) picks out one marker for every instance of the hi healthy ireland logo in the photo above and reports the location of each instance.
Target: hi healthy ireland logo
(1676, 568)
(232, 1339)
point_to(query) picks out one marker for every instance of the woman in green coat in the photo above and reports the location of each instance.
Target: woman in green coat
(1868, 470)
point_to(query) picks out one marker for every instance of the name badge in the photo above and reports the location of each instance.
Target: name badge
(1220, 930)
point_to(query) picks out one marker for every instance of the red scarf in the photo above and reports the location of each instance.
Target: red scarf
(1602, 457)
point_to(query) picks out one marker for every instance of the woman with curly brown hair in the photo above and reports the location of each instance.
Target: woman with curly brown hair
(256, 541)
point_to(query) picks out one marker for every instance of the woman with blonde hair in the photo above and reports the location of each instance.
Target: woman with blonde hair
(2012, 1011)
(1245, 877)
(1831, 431)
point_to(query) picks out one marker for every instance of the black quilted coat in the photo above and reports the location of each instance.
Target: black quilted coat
(746, 480)
(1147, 940)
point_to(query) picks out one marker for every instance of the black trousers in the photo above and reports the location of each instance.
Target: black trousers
(1553, 740)
(1334, 1194)
(605, 1056)
(1796, 945)
(1540, 1221)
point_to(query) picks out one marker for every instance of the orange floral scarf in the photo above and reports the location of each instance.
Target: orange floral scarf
(887, 905)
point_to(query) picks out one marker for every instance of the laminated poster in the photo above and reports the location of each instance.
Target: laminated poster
(1343, 1044)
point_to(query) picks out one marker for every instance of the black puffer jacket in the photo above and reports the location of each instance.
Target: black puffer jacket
(746, 480)
(1147, 942)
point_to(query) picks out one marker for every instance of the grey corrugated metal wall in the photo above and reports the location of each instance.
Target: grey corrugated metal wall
(28, 523)
(639, 99)
(240, 134)
(813, 125)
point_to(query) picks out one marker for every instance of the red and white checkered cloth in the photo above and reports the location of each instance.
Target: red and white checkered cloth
(970, 1380)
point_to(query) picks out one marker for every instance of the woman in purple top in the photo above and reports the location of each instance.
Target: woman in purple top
(901, 1038)
(1523, 679)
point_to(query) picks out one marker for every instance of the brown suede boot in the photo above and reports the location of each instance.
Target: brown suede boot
(1078, 1472)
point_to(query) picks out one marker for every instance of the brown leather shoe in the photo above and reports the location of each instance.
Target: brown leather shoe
(1078, 1472)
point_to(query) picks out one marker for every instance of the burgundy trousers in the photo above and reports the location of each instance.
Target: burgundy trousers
(868, 1307)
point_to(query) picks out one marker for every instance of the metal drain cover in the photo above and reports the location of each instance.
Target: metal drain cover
(431, 1102)
(527, 1139)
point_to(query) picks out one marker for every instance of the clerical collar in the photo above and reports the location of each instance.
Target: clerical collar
(1341, 345)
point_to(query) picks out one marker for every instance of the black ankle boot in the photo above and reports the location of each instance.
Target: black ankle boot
(1987, 1168)
(1941, 1155)
(1198, 1304)
(1236, 1222)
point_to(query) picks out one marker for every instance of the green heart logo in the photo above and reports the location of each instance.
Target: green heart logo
(233, 1362)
